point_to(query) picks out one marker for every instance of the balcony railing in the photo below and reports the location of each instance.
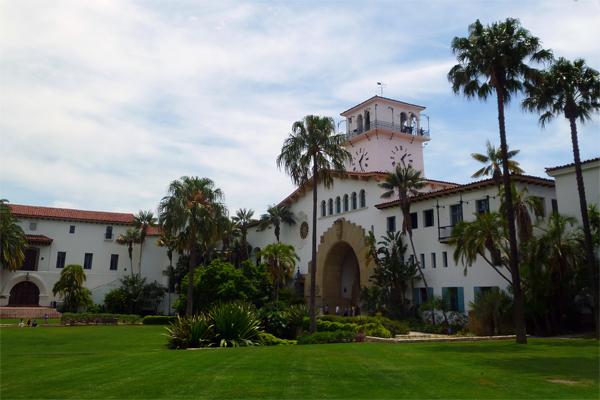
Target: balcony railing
(445, 232)
(387, 126)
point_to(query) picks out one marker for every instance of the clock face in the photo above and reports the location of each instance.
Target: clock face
(400, 155)
(360, 160)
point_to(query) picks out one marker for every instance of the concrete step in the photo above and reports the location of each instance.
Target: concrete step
(28, 312)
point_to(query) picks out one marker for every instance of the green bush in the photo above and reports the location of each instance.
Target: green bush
(270, 340)
(190, 332)
(395, 327)
(95, 309)
(327, 337)
(158, 320)
(87, 318)
(235, 324)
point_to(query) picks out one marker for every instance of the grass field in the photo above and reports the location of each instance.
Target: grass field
(39, 320)
(132, 362)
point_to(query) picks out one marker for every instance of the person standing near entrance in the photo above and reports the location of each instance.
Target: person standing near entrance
(45, 319)
(337, 310)
(327, 309)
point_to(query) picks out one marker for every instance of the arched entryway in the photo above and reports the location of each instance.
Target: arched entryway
(24, 294)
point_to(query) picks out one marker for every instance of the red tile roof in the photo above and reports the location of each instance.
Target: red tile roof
(39, 238)
(70, 215)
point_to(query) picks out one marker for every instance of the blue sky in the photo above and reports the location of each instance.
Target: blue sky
(104, 103)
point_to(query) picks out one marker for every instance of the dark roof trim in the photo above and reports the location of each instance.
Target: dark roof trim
(550, 169)
(383, 98)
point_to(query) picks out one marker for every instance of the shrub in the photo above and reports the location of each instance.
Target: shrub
(96, 309)
(193, 332)
(158, 320)
(327, 337)
(235, 324)
(275, 319)
(270, 340)
(86, 318)
(116, 301)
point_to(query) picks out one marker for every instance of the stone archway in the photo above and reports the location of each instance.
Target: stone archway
(24, 294)
(341, 263)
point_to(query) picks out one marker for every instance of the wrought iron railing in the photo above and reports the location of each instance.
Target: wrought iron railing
(387, 126)
(445, 232)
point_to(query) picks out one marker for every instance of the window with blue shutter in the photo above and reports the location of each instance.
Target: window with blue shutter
(461, 299)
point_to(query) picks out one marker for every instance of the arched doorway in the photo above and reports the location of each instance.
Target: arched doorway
(24, 294)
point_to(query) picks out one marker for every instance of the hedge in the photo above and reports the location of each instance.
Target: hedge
(395, 327)
(159, 320)
(86, 319)
(270, 340)
(327, 337)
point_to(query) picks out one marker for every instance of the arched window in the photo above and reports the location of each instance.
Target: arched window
(354, 200)
(323, 209)
(345, 202)
(363, 199)
(359, 124)
(338, 205)
(330, 207)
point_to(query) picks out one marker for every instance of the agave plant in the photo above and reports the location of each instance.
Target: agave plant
(190, 332)
(235, 325)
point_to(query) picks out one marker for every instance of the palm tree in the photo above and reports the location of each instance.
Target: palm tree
(281, 260)
(276, 215)
(192, 206)
(230, 231)
(520, 204)
(406, 182)
(70, 286)
(473, 239)
(572, 89)
(243, 218)
(143, 220)
(492, 305)
(492, 59)
(131, 237)
(493, 161)
(313, 151)
(14, 241)
(167, 240)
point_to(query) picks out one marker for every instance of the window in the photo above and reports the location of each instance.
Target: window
(413, 220)
(60, 259)
(483, 206)
(391, 224)
(554, 206)
(33, 226)
(497, 258)
(428, 218)
(456, 214)
(433, 260)
(323, 209)
(109, 234)
(455, 297)
(338, 205)
(482, 290)
(445, 259)
(422, 260)
(354, 200)
(87, 261)
(346, 203)
(72, 229)
(363, 199)
(114, 262)
(330, 207)
(421, 295)
(541, 202)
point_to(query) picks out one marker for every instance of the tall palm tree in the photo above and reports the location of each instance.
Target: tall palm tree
(521, 201)
(131, 237)
(493, 161)
(276, 215)
(281, 260)
(473, 239)
(13, 239)
(168, 241)
(230, 231)
(405, 182)
(143, 220)
(572, 89)
(243, 218)
(192, 206)
(70, 286)
(313, 151)
(492, 59)
(492, 305)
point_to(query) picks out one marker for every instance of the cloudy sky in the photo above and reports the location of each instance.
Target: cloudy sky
(103, 103)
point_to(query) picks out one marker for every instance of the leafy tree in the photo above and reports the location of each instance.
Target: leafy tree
(14, 241)
(70, 287)
(142, 221)
(243, 218)
(154, 293)
(493, 161)
(131, 237)
(406, 182)
(116, 301)
(276, 215)
(281, 260)
(492, 59)
(572, 89)
(313, 152)
(493, 305)
(192, 207)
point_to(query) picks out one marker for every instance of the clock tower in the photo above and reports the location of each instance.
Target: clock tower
(383, 133)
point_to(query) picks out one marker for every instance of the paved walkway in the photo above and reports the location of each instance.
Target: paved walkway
(419, 337)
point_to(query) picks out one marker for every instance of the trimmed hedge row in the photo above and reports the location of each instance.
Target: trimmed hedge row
(376, 328)
(327, 337)
(86, 319)
(159, 320)
(270, 340)
(395, 327)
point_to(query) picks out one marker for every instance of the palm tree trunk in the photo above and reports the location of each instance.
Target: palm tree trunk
(140, 266)
(313, 269)
(512, 233)
(190, 300)
(589, 247)
(131, 260)
(412, 244)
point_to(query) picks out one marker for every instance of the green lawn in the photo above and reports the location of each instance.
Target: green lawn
(40, 321)
(131, 362)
